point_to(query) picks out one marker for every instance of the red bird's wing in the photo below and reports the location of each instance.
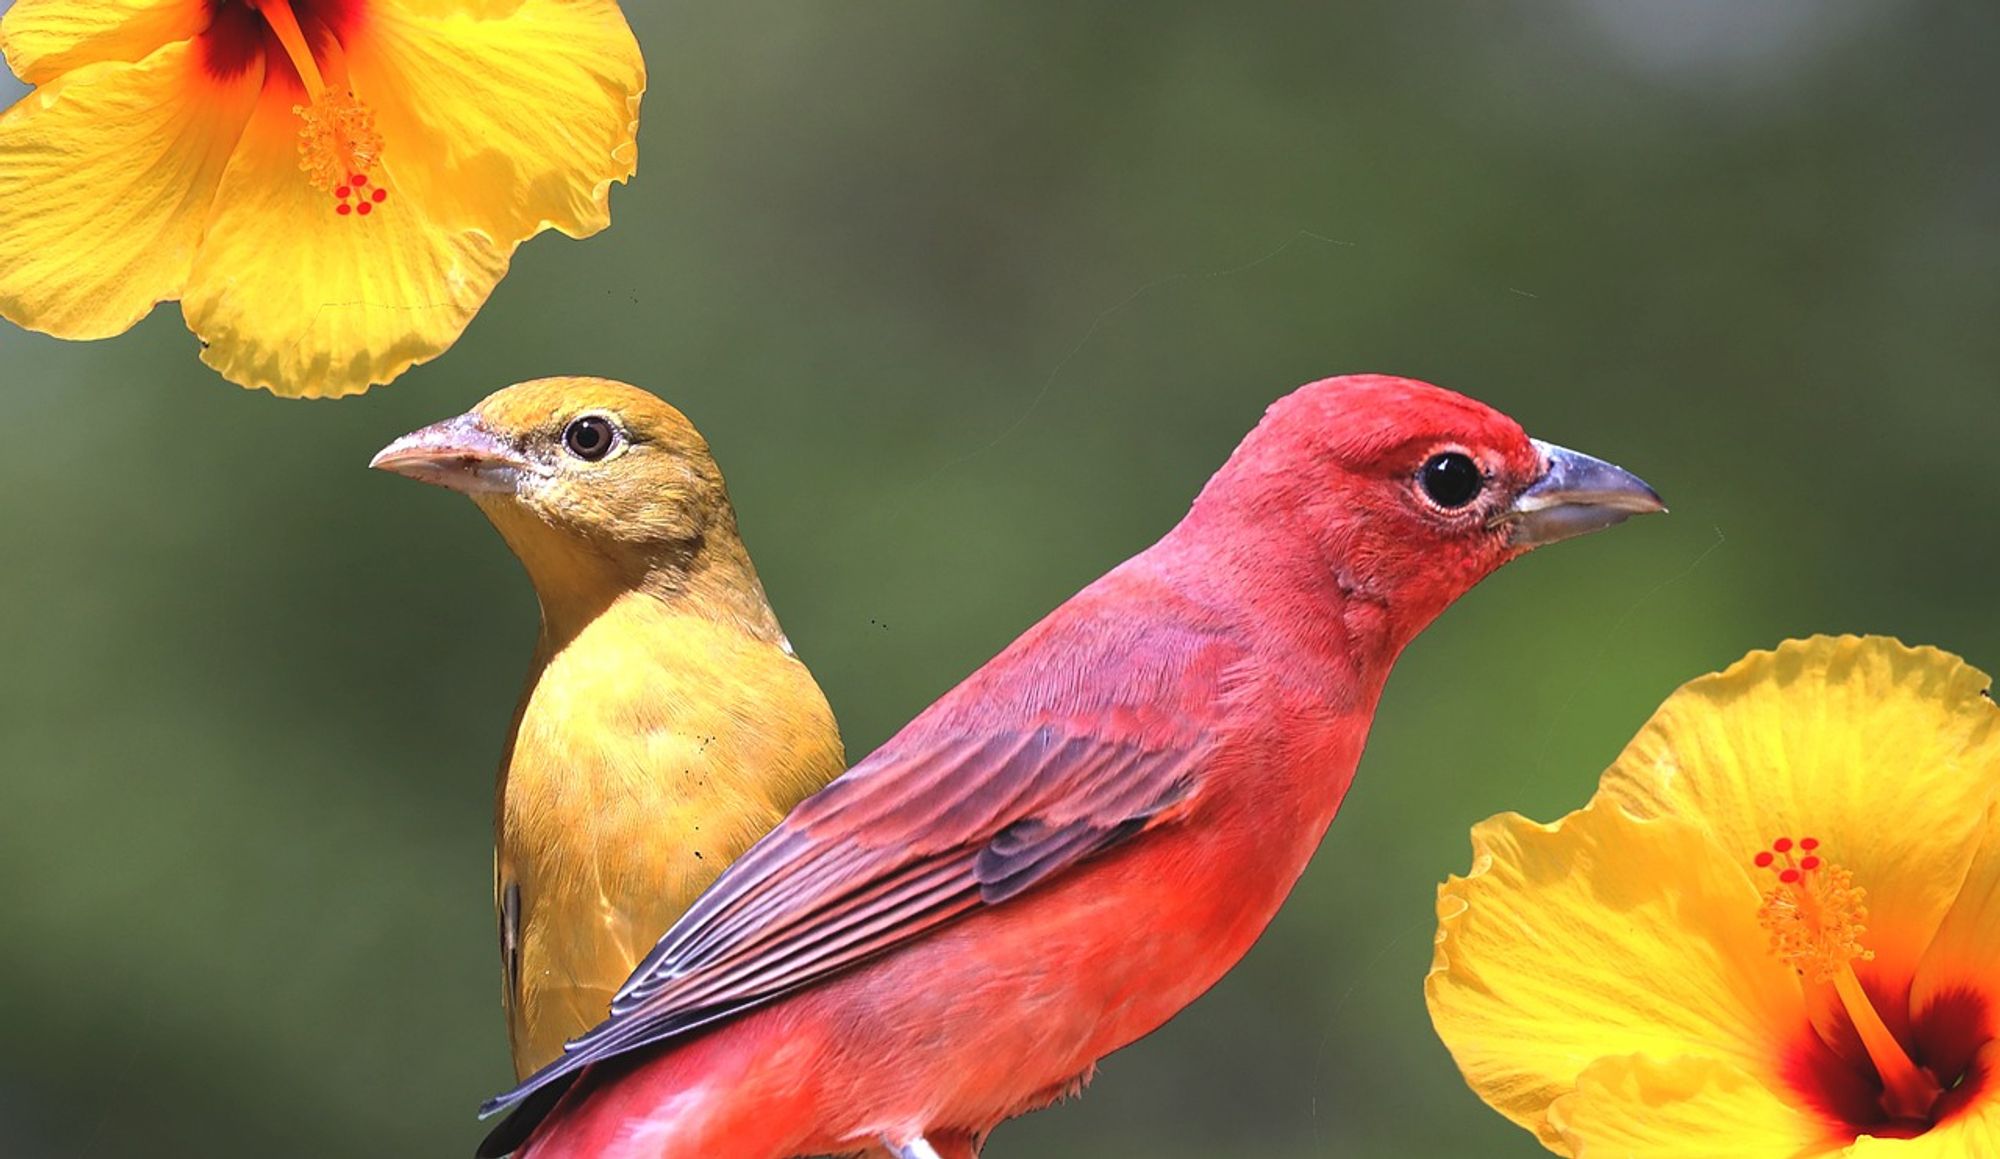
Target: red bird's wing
(901, 845)
(882, 857)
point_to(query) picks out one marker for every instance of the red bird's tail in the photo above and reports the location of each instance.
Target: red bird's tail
(722, 1096)
(514, 1130)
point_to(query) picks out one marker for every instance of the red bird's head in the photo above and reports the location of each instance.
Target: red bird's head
(1400, 496)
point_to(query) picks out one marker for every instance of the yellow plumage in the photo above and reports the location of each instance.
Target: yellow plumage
(666, 724)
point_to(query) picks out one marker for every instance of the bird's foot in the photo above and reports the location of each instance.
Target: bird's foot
(914, 1148)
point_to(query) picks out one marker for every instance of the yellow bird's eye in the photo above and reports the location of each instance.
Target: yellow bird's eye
(590, 438)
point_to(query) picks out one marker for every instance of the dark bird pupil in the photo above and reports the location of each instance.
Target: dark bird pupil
(1451, 479)
(588, 438)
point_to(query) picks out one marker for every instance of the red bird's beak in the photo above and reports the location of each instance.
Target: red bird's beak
(459, 453)
(1575, 495)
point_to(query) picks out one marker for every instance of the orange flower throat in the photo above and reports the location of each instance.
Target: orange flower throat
(1815, 916)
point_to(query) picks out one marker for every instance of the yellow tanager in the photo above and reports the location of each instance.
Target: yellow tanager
(666, 724)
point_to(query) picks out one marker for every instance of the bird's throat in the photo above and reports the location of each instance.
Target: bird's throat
(578, 580)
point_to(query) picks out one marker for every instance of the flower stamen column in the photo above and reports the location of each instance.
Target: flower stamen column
(1815, 917)
(338, 143)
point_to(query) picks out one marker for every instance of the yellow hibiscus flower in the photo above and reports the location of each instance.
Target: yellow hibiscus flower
(331, 187)
(1775, 930)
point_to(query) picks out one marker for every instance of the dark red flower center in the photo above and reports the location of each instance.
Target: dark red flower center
(239, 37)
(1840, 1082)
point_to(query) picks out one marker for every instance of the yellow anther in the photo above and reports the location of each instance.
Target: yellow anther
(1816, 920)
(337, 141)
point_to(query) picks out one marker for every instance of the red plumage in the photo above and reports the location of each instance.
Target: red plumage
(1081, 838)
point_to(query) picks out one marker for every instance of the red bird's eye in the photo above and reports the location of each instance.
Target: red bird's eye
(590, 437)
(1451, 479)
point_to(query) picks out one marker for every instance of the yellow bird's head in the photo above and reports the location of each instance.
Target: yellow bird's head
(598, 487)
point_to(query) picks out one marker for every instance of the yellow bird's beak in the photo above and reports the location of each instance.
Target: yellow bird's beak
(459, 453)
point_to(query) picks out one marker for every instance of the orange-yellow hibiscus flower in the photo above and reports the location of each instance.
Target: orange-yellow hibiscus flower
(331, 187)
(1775, 930)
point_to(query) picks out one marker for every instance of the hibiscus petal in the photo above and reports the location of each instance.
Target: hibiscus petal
(1953, 994)
(1885, 753)
(106, 176)
(44, 38)
(1599, 935)
(294, 298)
(513, 117)
(1682, 1108)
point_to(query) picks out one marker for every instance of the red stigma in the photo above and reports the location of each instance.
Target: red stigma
(1809, 843)
(359, 195)
(1808, 864)
(1789, 876)
(1782, 845)
(1764, 859)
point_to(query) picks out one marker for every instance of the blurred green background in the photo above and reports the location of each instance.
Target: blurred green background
(970, 299)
